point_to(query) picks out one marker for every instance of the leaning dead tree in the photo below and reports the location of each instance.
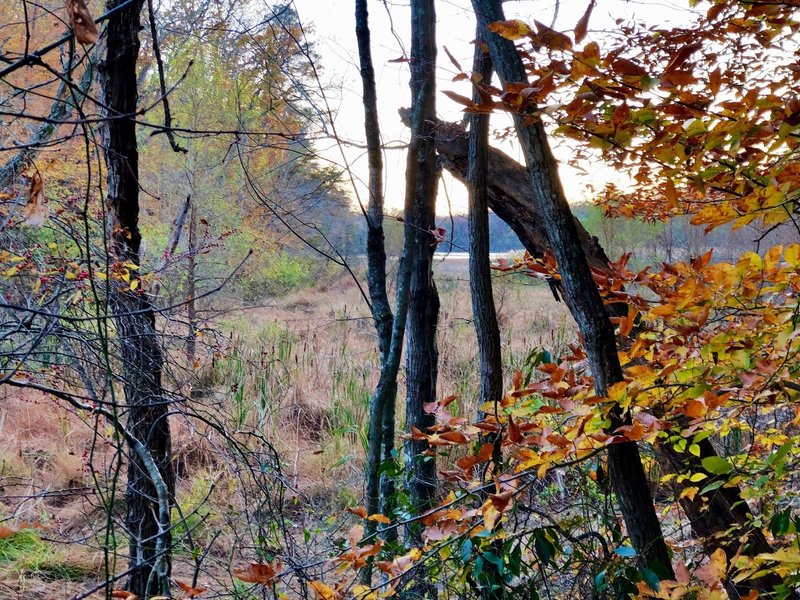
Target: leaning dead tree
(582, 296)
(510, 196)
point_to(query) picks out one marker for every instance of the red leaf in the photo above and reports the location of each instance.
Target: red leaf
(623, 66)
(583, 25)
(555, 40)
(681, 56)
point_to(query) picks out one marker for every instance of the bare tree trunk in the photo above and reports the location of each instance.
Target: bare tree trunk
(423, 311)
(191, 291)
(583, 298)
(382, 404)
(484, 314)
(142, 360)
(480, 280)
(423, 308)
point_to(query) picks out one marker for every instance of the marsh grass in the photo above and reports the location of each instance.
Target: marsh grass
(302, 371)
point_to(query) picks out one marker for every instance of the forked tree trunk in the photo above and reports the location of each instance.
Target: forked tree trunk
(484, 314)
(582, 296)
(140, 352)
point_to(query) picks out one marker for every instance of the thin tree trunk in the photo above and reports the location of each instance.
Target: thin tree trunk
(142, 360)
(582, 296)
(191, 291)
(480, 279)
(484, 314)
(382, 405)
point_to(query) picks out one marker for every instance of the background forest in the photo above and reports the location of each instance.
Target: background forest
(238, 361)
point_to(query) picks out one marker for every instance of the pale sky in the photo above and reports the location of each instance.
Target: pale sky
(333, 22)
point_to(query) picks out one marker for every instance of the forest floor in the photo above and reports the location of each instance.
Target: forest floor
(300, 368)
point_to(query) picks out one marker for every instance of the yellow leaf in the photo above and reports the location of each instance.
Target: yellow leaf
(324, 591)
(690, 492)
(792, 254)
(490, 514)
(363, 592)
(380, 519)
(512, 29)
(134, 285)
(784, 555)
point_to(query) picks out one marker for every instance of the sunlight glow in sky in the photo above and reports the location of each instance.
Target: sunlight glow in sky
(333, 24)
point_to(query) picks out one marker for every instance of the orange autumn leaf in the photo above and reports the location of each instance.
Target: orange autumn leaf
(261, 573)
(501, 500)
(82, 22)
(124, 595)
(358, 511)
(555, 40)
(191, 592)
(694, 408)
(379, 518)
(6, 532)
(714, 570)
(36, 209)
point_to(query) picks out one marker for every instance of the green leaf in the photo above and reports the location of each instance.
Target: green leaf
(544, 547)
(466, 551)
(778, 459)
(651, 579)
(717, 465)
(600, 583)
(515, 560)
(780, 522)
(711, 487)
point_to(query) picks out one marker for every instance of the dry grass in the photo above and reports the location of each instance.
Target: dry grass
(304, 369)
(300, 372)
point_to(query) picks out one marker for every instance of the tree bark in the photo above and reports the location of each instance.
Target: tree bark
(582, 296)
(191, 290)
(140, 352)
(484, 314)
(423, 308)
(382, 405)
